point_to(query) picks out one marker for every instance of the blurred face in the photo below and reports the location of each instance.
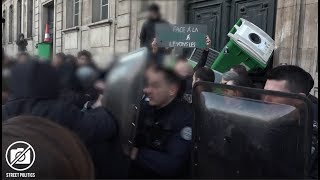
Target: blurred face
(23, 59)
(153, 15)
(276, 85)
(183, 69)
(159, 91)
(83, 60)
(56, 61)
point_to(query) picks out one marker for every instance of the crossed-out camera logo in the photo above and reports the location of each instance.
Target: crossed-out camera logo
(20, 156)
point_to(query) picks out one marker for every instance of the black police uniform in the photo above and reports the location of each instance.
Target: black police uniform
(163, 140)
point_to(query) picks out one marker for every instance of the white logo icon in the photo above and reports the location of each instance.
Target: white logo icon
(188, 37)
(20, 156)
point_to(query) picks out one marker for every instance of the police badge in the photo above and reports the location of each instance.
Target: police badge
(186, 133)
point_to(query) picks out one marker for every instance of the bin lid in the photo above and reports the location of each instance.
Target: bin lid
(253, 40)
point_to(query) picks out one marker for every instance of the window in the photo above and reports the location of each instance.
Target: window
(104, 9)
(73, 13)
(10, 23)
(100, 10)
(4, 27)
(30, 18)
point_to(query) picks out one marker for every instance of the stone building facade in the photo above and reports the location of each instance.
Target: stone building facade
(106, 27)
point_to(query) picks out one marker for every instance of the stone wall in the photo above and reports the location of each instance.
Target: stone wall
(96, 37)
(296, 35)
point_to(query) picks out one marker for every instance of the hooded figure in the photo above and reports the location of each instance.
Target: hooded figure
(34, 88)
(22, 43)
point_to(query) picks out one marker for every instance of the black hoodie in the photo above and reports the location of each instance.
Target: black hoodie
(35, 91)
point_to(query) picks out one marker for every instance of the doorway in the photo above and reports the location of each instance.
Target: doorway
(221, 15)
(48, 17)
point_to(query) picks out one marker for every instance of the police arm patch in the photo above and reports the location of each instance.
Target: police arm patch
(186, 133)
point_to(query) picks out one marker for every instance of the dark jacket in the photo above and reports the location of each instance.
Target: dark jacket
(71, 89)
(164, 146)
(35, 90)
(148, 32)
(22, 45)
(202, 62)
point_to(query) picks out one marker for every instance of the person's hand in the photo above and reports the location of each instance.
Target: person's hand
(98, 103)
(154, 45)
(134, 153)
(208, 43)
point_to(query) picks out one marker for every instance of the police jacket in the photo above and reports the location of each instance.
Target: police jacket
(313, 174)
(164, 140)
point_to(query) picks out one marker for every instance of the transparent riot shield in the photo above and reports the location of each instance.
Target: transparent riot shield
(249, 133)
(123, 92)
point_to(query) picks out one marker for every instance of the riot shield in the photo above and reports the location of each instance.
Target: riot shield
(250, 133)
(123, 92)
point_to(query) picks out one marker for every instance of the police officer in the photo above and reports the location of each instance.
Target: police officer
(163, 140)
(293, 79)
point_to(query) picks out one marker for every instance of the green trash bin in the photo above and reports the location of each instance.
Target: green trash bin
(45, 50)
(248, 45)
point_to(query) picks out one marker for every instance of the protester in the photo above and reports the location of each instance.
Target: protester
(203, 74)
(163, 140)
(183, 69)
(5, 89)
(240, 69)
(34, 88)
(241, 81)
(6, 72)
(71, 59)
(21, 43)
(229, 75)
(58, 60)
(70, 87)
(148, 33)
(293, 79)
(84, 58)
(203, 59)
(186, 72)
(87, 76)
(59, 153)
